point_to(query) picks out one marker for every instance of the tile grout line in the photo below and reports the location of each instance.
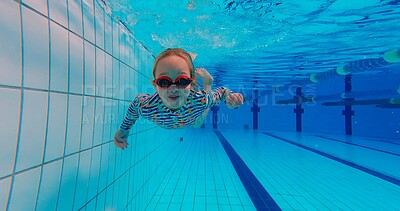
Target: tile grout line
(10, 191)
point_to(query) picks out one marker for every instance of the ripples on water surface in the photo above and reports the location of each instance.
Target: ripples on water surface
(275, 41)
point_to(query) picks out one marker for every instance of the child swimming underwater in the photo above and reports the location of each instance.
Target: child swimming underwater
(178, 101)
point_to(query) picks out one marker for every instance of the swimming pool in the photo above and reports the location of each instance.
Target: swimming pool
(319, 129)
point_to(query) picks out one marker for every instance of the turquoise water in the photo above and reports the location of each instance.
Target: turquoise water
(274, 41)
(70, 69)
(274, 47)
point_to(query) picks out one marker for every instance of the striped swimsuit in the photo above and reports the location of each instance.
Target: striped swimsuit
(152, 108)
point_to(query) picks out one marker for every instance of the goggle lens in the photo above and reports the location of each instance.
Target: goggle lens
(181, 81)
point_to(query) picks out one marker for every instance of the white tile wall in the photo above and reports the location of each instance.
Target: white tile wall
(90, 58)
(105, 153)
(99, 122)
(38, 5)
(108, 88)
(67, 183)
(5, 185)
(82, 178)
(87, 123)
(111, 166)
(115, 39)
(75, 16)
(116, 74)
(33, 129)
(25, 190)
(35, 42)
(58, 58)
(68, 80)
(123, 33)
(130, 42)
(58, 12)
(50, 181)
(122, 80)
(94, 173)
(75, 64)
(100, 72)
(136, 58)
(10, 42)
(108, 33)
(88, 20)
(99, 24)
(109, 118)
(74, 124)
(9, 124)
(101, 200)
(56, 128)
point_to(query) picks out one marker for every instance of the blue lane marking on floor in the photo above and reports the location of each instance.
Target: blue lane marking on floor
(366, 170)
(260, 197)
(357, 145)
(384, 141)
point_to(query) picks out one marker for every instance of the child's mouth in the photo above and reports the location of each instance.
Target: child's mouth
(173, 97)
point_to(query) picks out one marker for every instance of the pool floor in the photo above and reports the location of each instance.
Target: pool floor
(285, 171)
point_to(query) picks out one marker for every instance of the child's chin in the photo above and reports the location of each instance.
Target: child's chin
(175, 106)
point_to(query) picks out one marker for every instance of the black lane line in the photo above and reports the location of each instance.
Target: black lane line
(384, 141)
(358, 145)
(356, 166)
(260, 197)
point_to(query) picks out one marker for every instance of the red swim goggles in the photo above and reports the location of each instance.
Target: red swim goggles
(182, 81)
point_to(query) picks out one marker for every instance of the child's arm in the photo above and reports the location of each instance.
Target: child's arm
(120, 137)
(207, 80)
(212, 97)
(205, 77)
(232, 100)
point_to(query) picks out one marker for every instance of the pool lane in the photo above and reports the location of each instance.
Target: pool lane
(343, 161)
(298, 179)
(262, 200)
(200, 177)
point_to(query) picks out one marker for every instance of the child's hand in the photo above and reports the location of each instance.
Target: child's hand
(204, 75)
(120, 139)
(234, 100)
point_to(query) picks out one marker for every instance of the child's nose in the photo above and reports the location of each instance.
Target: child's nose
(173, 88)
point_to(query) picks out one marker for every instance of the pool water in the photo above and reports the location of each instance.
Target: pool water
(319, 128)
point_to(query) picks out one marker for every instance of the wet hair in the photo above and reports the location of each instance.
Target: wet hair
(184, 55)
(177, 52)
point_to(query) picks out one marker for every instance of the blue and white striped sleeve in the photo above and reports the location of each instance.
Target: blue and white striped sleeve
(132, 114)
(214, 97)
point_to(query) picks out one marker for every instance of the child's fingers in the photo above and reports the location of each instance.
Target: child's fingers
(116, 140)
(199, 69)
(117, 144)
(124, 143)
(120, 146)
(236, 99)
(241, 98)
(231, 105)
(120, 143)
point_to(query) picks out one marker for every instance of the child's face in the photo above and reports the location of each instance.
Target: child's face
(172, 66)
